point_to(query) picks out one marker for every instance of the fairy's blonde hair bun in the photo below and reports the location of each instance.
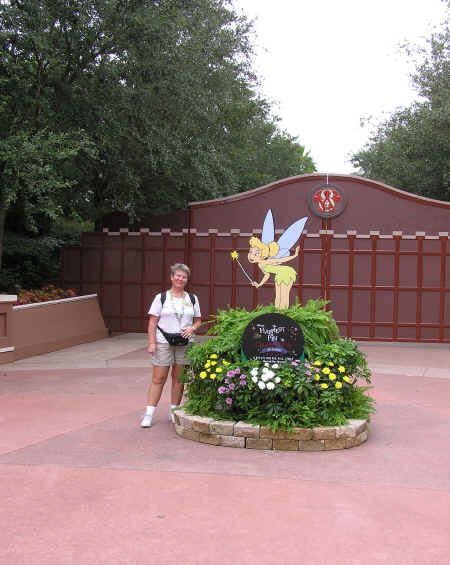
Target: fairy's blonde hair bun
(266, 250)
(273, 248)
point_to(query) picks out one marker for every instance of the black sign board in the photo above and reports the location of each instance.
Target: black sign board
(272, 338)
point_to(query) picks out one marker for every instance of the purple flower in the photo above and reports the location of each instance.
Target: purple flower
(243, 377)
(231, 386)
(308, 365)
(230, 373)
(294, 363)
(221, 389)
(308, 373)
(229, 400)
(237, 371)
(219, 407)
(242, 383)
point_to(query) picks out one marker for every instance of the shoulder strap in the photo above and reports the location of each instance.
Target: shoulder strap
(192, 297)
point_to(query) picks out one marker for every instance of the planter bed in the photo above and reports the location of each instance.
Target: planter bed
(243, 435)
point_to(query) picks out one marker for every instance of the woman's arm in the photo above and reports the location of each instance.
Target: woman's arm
(187, 332)
(284, 259)
(152, 323)
(263, 280)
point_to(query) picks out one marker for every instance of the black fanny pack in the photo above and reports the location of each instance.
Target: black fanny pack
(174, 339)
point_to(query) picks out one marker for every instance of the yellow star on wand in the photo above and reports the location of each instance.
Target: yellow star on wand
(234, 255)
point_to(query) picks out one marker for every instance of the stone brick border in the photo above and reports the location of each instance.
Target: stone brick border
(241, 434)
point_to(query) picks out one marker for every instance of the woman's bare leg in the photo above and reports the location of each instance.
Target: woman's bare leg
(285, 290)
(177, 386)
(277, 295)
(159, 377)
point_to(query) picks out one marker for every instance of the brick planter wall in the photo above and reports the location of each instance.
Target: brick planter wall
(241, 434)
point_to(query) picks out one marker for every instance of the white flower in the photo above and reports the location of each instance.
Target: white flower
(255, 379)
(262, 385)
(254, 372)
(275, 366)
(265, 377)
(266, 364)
(270, 374)
(270, 385)
(277, 379)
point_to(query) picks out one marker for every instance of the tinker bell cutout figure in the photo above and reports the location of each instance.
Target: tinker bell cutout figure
(270, 254)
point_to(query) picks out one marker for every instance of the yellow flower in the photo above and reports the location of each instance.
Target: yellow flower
(324, 385)
(338, 384)
(317, 377)
(331, 364)
(326, 371)
(208, 369)
(207, 364)
(213, 356)
(234, 254)
(212, 376)
(213, 363)
(346, 379)
(203, 375)
(219, 370)
(226, 363)
(332, 377)
(341, 369)
(317, 363)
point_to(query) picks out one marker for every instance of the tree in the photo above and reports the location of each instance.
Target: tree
(144, 105)
(411, 150)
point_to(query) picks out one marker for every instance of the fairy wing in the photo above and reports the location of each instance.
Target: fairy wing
(290, 237)
(268, 230)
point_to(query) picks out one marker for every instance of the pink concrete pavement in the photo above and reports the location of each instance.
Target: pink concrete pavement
(82, 483)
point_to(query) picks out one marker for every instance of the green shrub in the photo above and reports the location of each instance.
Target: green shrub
(322, 390)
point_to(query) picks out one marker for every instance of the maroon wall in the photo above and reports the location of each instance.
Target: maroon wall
(370, 206)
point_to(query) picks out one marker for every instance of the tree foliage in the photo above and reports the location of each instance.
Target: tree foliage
(411, 150)
(132, 105)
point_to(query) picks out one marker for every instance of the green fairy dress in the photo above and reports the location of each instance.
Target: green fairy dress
(283, 273)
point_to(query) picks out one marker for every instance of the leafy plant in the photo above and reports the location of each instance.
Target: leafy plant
(317, 324)
(321, 391)
(45, 294)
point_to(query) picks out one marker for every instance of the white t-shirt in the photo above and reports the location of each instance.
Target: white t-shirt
(167, 318)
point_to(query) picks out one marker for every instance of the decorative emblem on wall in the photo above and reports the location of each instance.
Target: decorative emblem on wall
(327, 201)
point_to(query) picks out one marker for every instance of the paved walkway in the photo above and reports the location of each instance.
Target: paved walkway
(82, 483)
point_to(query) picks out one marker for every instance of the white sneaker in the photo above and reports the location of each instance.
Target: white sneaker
(146, 421)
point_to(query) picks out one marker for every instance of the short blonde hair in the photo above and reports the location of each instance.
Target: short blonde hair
(266, 250)
(180, 267)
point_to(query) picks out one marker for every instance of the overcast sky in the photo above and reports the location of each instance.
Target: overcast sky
(327, 63)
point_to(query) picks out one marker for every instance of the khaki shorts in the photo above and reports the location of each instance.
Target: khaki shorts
(167, 355)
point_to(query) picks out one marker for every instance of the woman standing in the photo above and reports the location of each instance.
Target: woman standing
(172, 312)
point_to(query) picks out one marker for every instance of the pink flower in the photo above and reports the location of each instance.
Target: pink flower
(231, 386)
(229, 400)
(308, 373)
(294, 363)
(221, 389)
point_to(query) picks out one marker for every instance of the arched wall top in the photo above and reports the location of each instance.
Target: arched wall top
(324, 178)
(371, 205)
